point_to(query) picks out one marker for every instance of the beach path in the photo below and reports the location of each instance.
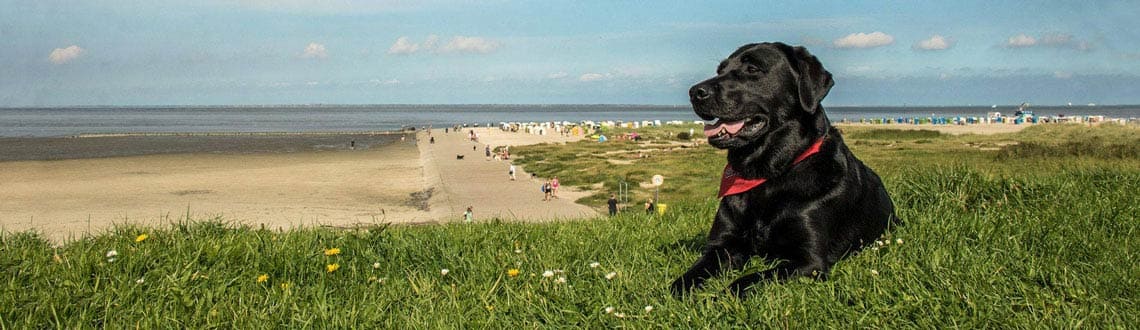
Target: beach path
(484, 184)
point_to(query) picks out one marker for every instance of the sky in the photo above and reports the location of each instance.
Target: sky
(247, 52)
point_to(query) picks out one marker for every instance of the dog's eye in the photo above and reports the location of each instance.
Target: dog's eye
(751, 69)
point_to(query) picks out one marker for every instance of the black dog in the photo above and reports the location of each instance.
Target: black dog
(791, 191)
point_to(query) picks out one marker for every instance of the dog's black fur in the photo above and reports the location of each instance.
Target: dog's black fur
(807, 215)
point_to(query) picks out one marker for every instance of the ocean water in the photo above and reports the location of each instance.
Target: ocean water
(68, 121)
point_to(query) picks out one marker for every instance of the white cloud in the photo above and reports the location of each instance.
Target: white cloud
(457, 44)
(315, 50)
(403, 46)
(64, 55)
(591, 77)
(461, 44)
(935, 42)
(431, 42)
(1061, 40)
(392, 81)
(864, 40)
(557, 75)
(1020, 41)
(1062, 75)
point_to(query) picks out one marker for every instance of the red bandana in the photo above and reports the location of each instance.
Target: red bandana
(731, 183)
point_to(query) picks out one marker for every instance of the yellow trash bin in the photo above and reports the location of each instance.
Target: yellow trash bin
(661, 208)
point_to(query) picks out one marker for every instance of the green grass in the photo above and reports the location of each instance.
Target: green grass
(1043, 242)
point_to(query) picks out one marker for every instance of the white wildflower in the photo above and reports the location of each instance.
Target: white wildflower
(609, 310)
(878, 242)
(376, 265)
(518, 250)
(648, 308)
(611, 275)
(594, 264)
(140, 280)
(548, 274)
(898, 241)
(620, 315)
(874, 272)
(112, 253)
(443, 272)
(560, 280)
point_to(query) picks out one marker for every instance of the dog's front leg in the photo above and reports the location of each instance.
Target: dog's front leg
(781, 272)
(723, 250)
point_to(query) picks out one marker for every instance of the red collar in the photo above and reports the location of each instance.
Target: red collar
(731, 183)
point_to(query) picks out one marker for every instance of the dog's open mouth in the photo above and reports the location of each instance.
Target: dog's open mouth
(724, 129)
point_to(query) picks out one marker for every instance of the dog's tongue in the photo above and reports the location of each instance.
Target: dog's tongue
(732, 127)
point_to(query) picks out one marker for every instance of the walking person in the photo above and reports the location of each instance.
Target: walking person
(613, 205)
(511, 171)
(554, 187)
(469, 215)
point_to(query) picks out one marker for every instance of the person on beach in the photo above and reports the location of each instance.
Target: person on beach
(511, 171)
(487, 151)
(469, 215)
(546, 190)
(554, 187)
(613, 205)
(649, 207)
(432, 140)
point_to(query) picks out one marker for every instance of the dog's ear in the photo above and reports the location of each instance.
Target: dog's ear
(814, 81)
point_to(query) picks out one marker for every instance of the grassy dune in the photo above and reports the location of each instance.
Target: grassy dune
(994, 237)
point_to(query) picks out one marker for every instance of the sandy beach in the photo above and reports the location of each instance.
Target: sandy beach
(77, 186)
(69, 187)
(981, 129)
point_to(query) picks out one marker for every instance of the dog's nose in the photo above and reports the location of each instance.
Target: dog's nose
(699, 92)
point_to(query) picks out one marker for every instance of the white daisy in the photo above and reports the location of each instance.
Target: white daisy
(594, 264)
(611, 275)
(443, 272)
(112, 253)
(548, 274)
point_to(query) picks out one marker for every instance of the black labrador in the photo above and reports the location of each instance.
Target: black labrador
(791, 190)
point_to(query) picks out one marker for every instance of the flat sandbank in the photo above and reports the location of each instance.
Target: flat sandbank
(66, 188)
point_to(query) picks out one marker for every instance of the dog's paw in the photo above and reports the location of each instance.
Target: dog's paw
(681, 288)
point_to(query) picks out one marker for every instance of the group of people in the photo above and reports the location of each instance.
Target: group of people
(550, 189)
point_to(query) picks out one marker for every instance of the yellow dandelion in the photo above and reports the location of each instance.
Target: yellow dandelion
(140, 238)
(263, 278)
(332, 252)
(332, 267)
(512, 272)
(285, 285)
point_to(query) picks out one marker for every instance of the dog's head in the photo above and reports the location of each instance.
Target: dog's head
(765, 96)
(757, 90)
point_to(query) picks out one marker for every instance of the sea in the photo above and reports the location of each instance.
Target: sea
(73, 121)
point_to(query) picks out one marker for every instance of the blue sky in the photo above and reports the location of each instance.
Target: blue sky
(208, 52)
